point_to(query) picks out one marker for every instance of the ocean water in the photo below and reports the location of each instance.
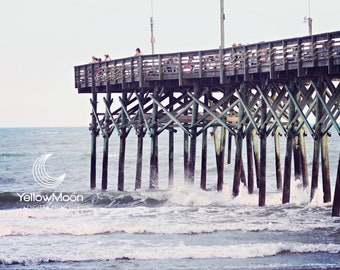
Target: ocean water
(73, 227)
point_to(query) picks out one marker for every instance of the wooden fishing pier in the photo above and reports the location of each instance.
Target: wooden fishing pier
(251, 92)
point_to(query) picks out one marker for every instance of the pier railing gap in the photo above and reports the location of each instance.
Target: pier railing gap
(285, 88)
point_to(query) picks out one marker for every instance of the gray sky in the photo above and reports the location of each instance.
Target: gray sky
(41, 41)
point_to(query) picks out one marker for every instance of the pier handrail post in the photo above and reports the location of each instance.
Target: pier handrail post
(330, 44)
(180, 70)
(284, 48)
(299, 57)
(160, 68)
(140, 71)
(200, 59)
(314, 51)
(246, 62)
(271, 61)
(222, 80)
(258, 58)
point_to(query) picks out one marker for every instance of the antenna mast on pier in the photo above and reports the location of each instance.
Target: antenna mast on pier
(151, 25)
(309, 20)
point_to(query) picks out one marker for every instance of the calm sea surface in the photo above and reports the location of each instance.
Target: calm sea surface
(73, 227)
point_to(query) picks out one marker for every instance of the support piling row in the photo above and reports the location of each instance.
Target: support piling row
(239, 99)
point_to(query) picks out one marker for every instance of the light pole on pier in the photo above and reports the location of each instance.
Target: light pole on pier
(222, 17)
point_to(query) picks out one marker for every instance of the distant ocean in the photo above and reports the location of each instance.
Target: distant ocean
(73, 227)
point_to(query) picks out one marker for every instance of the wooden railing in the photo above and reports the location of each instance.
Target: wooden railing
(321, 50)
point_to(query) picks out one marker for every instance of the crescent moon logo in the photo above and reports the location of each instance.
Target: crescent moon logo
(42, 177)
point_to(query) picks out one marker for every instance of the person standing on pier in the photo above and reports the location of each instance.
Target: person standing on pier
(96, 60)
(138, 52)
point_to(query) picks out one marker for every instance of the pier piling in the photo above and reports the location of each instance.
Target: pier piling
(171, 146)
(250, 162)
(336, 203)
(277, 159)
(326, 181)
(193, 139)
(94, 133)
(304, 163)
(106, 136)
(153, 182)
(315, 165)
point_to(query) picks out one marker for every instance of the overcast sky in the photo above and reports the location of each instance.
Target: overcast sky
(42, 40)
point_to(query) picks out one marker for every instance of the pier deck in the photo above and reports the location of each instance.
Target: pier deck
(282, 59)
